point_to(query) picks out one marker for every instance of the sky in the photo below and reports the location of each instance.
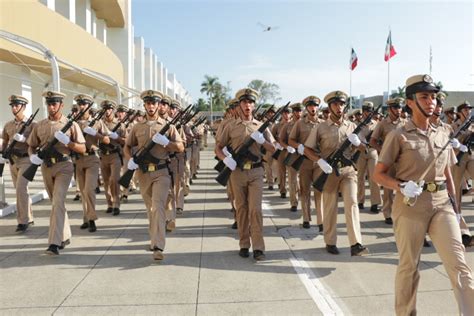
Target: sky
(309, 52)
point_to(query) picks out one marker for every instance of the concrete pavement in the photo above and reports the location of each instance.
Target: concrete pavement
(111, 271)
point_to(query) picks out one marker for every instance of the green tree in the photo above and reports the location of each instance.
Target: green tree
(268, 92)
(400, 93)
(202, 105)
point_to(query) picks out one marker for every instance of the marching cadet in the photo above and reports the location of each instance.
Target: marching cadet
(465, 166)
(281, 167)
(77, 197)
(111, 158)
(154, 174)
(268, 159)
(19, 160)
(188, 153)
(327, 137)
(247, 183)
(450, 114)
(325, 112)
(122, 111)
(57, 169)
(308, 171)
(391, 122)
(195, 154)
(366, 164)
(422, 205)
(296, 110)
(88, 163)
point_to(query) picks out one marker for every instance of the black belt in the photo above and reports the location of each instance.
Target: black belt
(18, 155)
(150, 167)
(91, 152)
(250, 165)
(54, 160)
(433, 187)
(109, 152)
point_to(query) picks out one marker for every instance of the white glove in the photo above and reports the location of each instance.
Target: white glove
(19, 138)
(113, 135)
(160, 139)
(36, 160)
(278, 146)
(410, 189)
(230, 162)
(463, 148)
(455, 143)
(290, 149)
(301, 149)
(63, 138)
(258, 137)
(2, 160)
(131, 165)
(323, 164)
(226, 152)
(91, 131)
(458, 217)
(354, 139)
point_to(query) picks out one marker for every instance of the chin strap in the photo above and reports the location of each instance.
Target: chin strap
(419, 108)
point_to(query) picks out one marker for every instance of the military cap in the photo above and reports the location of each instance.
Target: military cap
(440, 98)
(396, 102)
(311, 100)
(271, 108)
(420, 83)
(324, 109)
(166, 100)
(449, 109)
(368, 106)
(92, 111)
(75, 108)
(336, 96)
(296, 107)
(247, 94)
(53, 96)
(463, 105)
(140, 113)
(122, 108)
(151, 95)
(17, 99)
(286, 110)
(108, 104)
(175, 104)
(232, 103)
(83, 98)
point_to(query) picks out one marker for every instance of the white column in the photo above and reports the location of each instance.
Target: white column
(159, 79)
(101, 30)
(51, 4)
(83, 14)
(139, 62)
(67, 8)
(147, 69)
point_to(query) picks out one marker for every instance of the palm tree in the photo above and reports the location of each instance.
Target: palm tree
(210, 86)
(400, 93)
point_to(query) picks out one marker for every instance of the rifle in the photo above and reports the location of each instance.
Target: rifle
(97, 117)
(46, 149)
(132, 118)
(111, 146)
(255, 111)
(467, 142)
(338, 158)
(7, 153)
(356, 155)
(141, 155)
(243, 151)
(187, 116)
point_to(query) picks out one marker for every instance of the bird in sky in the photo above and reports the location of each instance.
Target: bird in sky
(267, 28)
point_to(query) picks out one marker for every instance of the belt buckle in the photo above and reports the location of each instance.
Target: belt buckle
(247, 165)
(53, 160)
(339, 165)
(431, 187)
(85, 154)
(151, 167)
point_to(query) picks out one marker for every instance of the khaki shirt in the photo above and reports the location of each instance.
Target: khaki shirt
(44, 131)
(328, 136)
(285, 132)
(120, 131)
(300, 132)
(142, 133)
(222, 125)
(407, 144)
(237, 132)
(277, 128)
(92, 142)
(384, 127)
(462, 137)
(364, 137)
(13, 127)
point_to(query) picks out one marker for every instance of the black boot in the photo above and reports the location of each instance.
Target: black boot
(92, 227)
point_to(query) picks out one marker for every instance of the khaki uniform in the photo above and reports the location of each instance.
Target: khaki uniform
(189, 153)
(292, 173)
(21, 162)
(328, 137)
(380, 132)
(230, 195)
(87, 169)
(178, 164)
(154, 177)
(281, 167)
(366, 165)
(111, 160)
(57, 176)
(247, 184)
(132, 187)
(308, 171)
(432, 214)
(268, 165)
(463, 170)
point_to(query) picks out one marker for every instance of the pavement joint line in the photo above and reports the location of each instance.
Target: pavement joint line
(202, 243)
(93, 267)
(24, 246)
(314, 287)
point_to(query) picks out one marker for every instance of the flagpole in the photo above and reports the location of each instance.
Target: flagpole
(350, 81)
(388, 64)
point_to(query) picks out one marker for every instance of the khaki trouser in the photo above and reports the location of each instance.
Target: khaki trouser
(281, 172)
(465, 167)
(388, 197)
(87, 171)
(180, 183)
(366, 165)
(247, 186)
(154, 188)
(268, 164)
(56, 180)
(110, 167)
(294, 187)
(171, 200)
(24, 214)
(347, 184)
(194, 158)
(307, 175)
(432, 214)
(187, 168)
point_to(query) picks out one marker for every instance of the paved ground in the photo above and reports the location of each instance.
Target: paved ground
(110, 271)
